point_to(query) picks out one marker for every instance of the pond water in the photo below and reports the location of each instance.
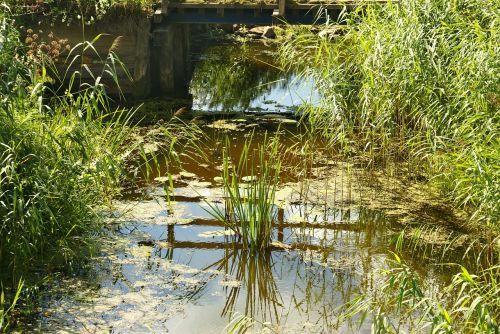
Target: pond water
(246, 78)
(165, 265)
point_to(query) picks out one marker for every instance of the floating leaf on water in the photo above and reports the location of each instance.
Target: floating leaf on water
(187, 175)
(182, 268)
(213, 234)
(197, 184)
(230, 283)
(223, 125)
(183, 221)
(249, 178)
(296, 218)
(141, 251)
(288, 121)
(279, 244)
(150, 147)
(308, 325)
(283, 194)
(163, 244)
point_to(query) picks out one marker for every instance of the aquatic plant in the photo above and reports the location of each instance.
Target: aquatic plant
(469, 304)
(249, 191)
(7, 307)
(415, 81)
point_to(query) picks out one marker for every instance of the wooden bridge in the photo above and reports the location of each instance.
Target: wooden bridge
(257, 12)
(170, 47)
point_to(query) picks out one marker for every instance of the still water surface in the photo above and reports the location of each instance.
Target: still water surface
(169, 267)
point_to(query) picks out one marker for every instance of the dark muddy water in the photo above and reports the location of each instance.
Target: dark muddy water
(166, 266)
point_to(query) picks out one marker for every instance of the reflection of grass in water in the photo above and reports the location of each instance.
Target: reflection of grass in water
(232, 76)
(255, 273)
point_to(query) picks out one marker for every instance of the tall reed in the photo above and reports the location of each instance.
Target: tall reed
(469, 304)
(418, 81)
(7, 307)
(60, 159)
(249, 190)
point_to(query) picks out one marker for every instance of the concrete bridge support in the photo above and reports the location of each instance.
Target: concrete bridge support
(171, 64)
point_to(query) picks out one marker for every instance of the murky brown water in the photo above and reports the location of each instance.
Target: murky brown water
(166, 266)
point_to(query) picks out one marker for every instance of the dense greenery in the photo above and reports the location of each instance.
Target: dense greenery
(59, 161)
(86, 11)
(417, 80)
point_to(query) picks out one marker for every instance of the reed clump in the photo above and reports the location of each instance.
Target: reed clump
(416, 81)
(468, 304)
(249, 184)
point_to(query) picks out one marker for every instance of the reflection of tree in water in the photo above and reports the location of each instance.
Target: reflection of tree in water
(231, 76)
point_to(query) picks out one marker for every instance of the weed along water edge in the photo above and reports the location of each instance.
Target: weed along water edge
(177, 253)
(268, 198)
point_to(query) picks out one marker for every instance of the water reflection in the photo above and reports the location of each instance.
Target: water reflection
(250, 273)
(169, 267)
(246, 78)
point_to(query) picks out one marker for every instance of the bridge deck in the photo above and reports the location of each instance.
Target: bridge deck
(272, 4)
(252, 12)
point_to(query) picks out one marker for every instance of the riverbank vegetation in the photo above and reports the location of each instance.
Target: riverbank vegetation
(60, 161)
(416, 81)
(77, 12)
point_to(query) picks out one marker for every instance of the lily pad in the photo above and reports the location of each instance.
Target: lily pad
(213, 234)
(187, 175)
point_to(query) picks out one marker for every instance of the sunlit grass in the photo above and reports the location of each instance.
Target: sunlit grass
(415, 81)
(249, 191)
(7, 307)
(468, 304)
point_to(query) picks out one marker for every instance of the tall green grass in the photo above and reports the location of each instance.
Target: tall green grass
(403, 301)
(7, 307)
(418, 81)
(249, 190)
(60, 160)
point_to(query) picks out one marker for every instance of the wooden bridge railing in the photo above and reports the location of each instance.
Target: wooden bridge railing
(279, 8)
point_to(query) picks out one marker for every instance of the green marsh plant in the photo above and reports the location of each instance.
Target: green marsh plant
(250, 184)
(416, 82)
(61, 157)
(7, 308)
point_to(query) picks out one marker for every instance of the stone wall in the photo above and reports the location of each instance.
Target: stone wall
(156, 59)
(128, 38)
